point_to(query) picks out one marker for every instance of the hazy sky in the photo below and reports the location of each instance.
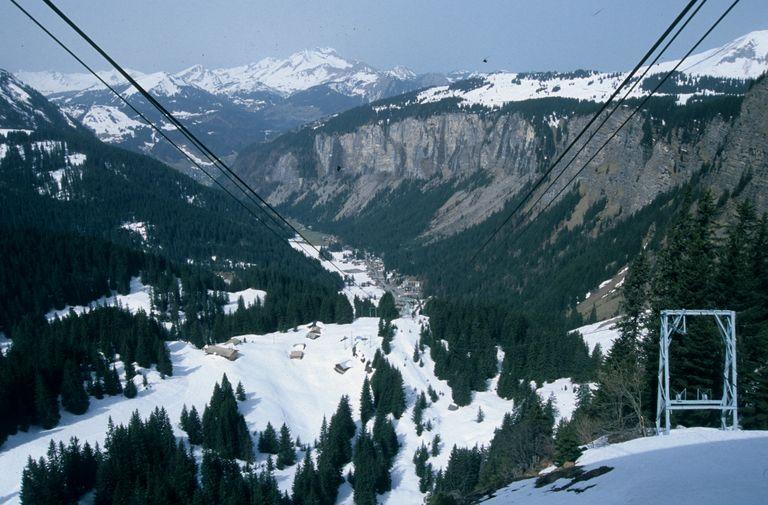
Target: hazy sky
(425, 35)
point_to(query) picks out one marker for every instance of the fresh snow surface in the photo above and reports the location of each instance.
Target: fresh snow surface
(563, 392)
(695, 466)
(602, 332)
(249, 296)
(139, 298)
(297, 392)
(279, 389)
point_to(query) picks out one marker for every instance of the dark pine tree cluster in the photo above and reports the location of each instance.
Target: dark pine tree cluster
(463, 338)
(519, 445)
(703, 264)
(69, 358)
(224, 428)
(143, 463)
(387, 387)
(318, 483)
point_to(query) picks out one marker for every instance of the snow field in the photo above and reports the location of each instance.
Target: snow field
(695, 466)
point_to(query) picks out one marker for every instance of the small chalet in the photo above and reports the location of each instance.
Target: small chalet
(224, 352)
(297, 351)
(343, 366)
(234, 341)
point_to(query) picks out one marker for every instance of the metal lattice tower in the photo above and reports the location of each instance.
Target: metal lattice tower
(673, 321)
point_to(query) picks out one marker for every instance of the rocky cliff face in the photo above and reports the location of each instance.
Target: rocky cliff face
(659, 149)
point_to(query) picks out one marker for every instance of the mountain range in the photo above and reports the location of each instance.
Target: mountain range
(229, 107)
(440, 168)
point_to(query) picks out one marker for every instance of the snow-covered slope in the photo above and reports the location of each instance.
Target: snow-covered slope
(743, 58)
(695, 466)
(280, 389)
(601, 332)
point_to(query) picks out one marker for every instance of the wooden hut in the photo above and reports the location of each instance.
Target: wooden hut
(343, 366)
(297, 351)
(224, 352)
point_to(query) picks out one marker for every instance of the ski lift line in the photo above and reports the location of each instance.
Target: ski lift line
(215, 160)
(615, 108)
(586, 127)
(168, 115)
(154, 127)
(635, 111)
(135, 110)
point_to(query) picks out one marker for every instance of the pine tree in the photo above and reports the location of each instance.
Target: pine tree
(130, 389)
(366, 470)
(224, 429)
(286, 454)
(164, 365)
(480, 415)
(268, 442)
(194, 427)
(112, 384)
(385, 437)
(240, 392)
(387, 309)
(436, 445)
(46, 405)
(366, 402)
(418, 412)
(566, 443)
(74, 398)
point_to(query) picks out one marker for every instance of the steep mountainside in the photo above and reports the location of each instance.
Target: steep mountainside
(60, 177)
(442, 163)
(228, 107)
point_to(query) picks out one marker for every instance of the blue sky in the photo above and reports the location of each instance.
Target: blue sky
(424, 35)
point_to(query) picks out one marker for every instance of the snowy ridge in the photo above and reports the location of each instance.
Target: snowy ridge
(299, 71)
(49, 83)
(743, 58)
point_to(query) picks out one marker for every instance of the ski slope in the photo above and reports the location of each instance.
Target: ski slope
(694, 466)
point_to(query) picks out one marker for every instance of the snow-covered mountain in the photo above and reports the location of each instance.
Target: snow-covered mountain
(729, 65)
(22, 107)
(298, 72)
(229, 107)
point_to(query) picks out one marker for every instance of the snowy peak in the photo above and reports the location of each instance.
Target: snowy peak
(743, 58)
(21, 107)
(159, 83)
(298, 72)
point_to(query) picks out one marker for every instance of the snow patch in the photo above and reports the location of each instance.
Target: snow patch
(602, 332)
(138, 298)
(137, 227)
